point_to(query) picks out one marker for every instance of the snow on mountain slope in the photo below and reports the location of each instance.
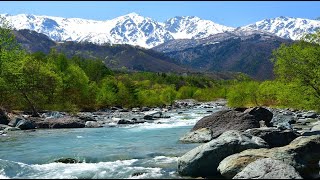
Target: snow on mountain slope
(142, 31)
(286, 27)
(191, 27)
(130, 29)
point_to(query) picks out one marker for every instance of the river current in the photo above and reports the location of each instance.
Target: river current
(139, 151)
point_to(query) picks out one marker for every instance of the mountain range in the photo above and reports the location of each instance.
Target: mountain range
(145, 32)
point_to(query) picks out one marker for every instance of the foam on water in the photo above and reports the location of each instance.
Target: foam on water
(115, 169)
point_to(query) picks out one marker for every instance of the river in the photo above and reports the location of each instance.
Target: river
(139, 151)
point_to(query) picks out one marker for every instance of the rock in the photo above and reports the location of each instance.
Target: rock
(225, 120)
(25, 124)
(302, 153)
(137, 174)
(3, 126)
(123, 121)
(124, 110)
(268, 168)
(282, 121)
(204, 160)
(145, 109)
(316, 128)
(274, 136)
(261, 114)
(92, 124)
(15, 121)
(64, 122)
(153, 115)
(4, 119)
(67, 160)
(87, 118)
(202, 135)
(11, 129)
(310, 115)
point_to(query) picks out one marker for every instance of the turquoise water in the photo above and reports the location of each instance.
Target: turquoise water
(149, 149)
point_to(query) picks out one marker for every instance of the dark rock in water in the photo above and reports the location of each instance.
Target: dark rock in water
(154, 115)
(137, 174)
(64, 122)
(209, 111)
(87, 118)
(204, 160)
(4, 119)
(274, 136)
(145, 109)
(123, 121)
(225, 120)
(180, 112)
(67, 160)
(15, 121)
(124, 110)
(268, 168)
(25, 124)
(310, 115)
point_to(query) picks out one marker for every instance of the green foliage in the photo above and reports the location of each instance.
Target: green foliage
(243, 94)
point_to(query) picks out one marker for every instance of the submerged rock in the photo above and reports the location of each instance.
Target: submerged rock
(67, 160)
(204, 160)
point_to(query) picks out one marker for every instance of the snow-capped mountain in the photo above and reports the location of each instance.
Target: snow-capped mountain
(142, 31)
(191, 27)
(130, 29)
(286, 27)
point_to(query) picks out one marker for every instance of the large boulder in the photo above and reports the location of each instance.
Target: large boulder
(274, 136)
(64, 122)
(225, 120)
(25, 124)
(15, 121)
(302, 153)
(261, 114)
(204, 160)
(4, 119)
(198, 136)
(268, 168)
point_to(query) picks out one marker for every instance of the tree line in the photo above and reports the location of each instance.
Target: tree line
(38, 81)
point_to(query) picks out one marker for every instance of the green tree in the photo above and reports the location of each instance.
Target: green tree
(300, 63)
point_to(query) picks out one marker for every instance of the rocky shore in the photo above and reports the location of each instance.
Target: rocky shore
(254, 143)
(238, 143)
(111, 117)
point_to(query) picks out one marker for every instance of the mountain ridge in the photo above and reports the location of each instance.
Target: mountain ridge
(137, 30)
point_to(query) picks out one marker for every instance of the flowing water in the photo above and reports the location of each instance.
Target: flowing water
(148, 150)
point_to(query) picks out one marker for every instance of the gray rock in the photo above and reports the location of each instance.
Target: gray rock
(123, 121)
(25, 124)
(15, 121)
(11, 129)
(302, 153)
(92, 124)
(274, 136)
(311, 115)
(268, 168)
(204, 160)
(199, 136)
(316, 128)
(225, 120)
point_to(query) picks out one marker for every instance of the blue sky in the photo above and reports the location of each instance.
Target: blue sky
(229, 13)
